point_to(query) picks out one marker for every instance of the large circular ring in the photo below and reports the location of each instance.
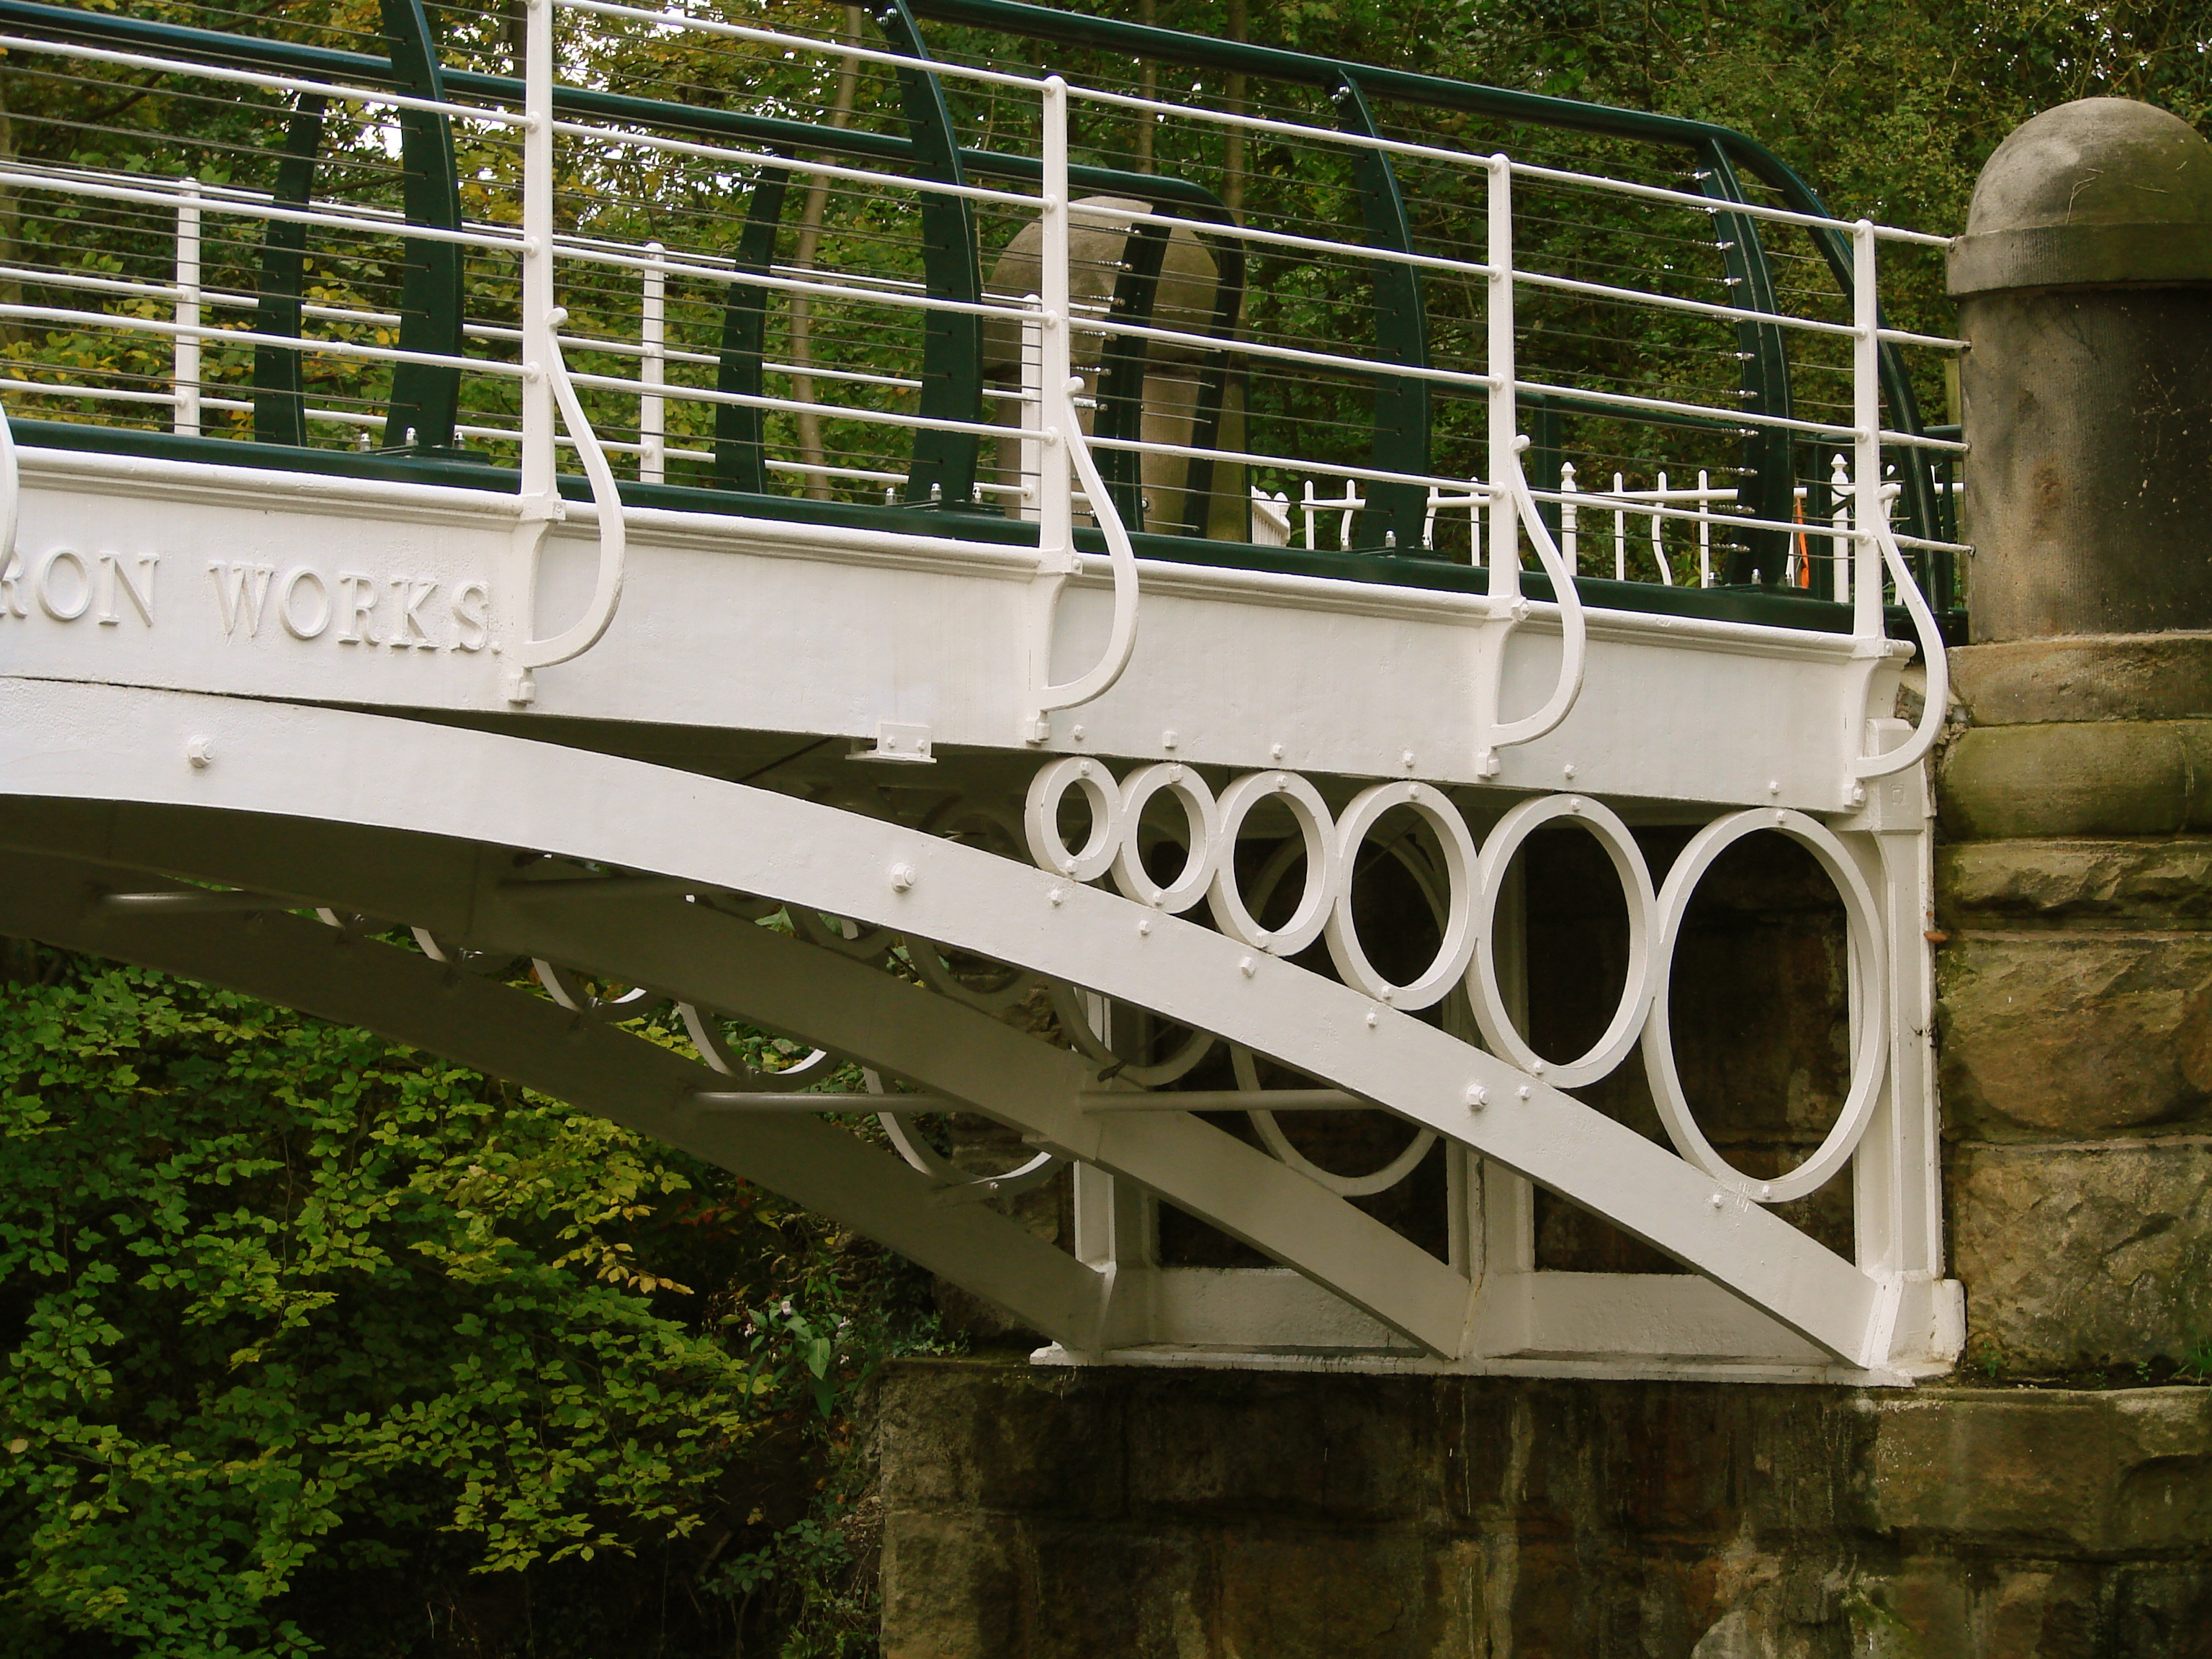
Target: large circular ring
(1870, 1049)
(1041, 818)
(921, 1156)
(1458, 923)
(1075, 1023)
(842, 934)
(704, 1028)
(1482, 988)
(1204, 814)
(1008, 986)
(1270, 1131)
(569, 990)
(1311, 813)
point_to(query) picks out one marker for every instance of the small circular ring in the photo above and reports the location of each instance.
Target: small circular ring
(1311, 813)
(1271, 1132)
(1457, 945)
(1483, 992)
(1041, 818)
(1204, 814)
(1870, 1001)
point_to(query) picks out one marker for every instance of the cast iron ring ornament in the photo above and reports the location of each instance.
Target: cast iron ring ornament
(1473, 883)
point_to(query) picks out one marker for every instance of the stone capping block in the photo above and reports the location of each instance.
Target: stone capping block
(2098, 190)
(2165, 884)
(2089, 677)
(2089, 778)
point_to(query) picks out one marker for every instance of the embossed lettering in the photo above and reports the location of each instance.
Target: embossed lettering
(412, 596)
(11, 594)
(241, 591)
(360, 600)
(43, 588)
(115, 577)
(473, 617)
(287, 604)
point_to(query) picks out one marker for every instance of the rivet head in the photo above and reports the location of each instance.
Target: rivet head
(1275, 751)
(1374, 1019)
(1858, 794)
(1524, 1091)
(1082, 768)
(1169, 740)
(1781, 817)
(1076, 732)
(1567, 771)
(1058, 895)
(1413, 791)
(1476, 1096)
(200, 751)
(1715, 1200)
(901, 876)
(1143, 926)
(1765, 1190)
(1247, 967)
(1774, 787)
(1405, 758)
(1537, 1069)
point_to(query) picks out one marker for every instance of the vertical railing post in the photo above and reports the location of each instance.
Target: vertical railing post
(539, 492)
(538, 346)
(1054, 484)
(184, 384)
(1866, 421)
(1505, 515)
(652, 371)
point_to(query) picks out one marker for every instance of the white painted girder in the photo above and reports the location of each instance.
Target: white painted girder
(109, 742)
(509, 1033)
(720, 962)
(748, 624)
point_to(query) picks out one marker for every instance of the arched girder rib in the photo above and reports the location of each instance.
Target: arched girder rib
(454, 889)
(110, 743)
(509, 1033)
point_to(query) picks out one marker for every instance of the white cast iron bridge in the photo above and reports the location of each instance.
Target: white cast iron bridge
(1061, 598)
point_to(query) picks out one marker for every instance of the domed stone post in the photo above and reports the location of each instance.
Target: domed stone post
(2076, 885)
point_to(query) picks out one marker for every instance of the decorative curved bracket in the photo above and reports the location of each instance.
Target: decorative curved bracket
(537, 516)
(1915, 748)
(1573, 631)
(1122, 635)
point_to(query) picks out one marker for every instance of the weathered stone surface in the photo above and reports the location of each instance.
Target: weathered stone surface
(1547, 1520)
(2090, 778)
(2075, 1035)
(2165, 882)
(2073, 1255)
(2113, 677)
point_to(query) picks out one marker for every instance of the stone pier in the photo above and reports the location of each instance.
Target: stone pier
(2053, 1500)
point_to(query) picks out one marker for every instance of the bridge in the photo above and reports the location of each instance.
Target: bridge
(1066, 601)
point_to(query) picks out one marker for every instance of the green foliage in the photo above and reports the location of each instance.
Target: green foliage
(290, 1313)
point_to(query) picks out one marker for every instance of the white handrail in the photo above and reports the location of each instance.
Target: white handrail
(584, 632)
